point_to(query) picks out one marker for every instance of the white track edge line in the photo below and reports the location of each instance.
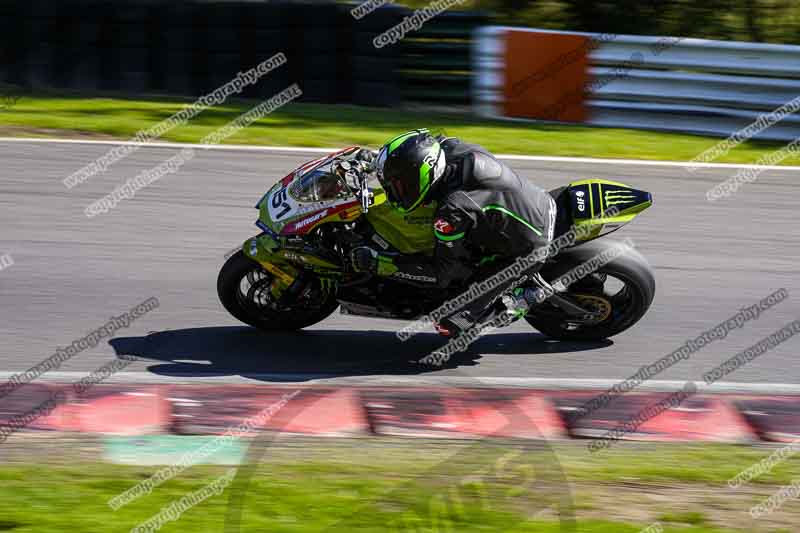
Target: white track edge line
(419, 381)
(297, 149)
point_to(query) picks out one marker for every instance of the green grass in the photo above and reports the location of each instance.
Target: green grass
(693, 518)
(280, 500)
(333, 126)
(376, 485)
(703, 463)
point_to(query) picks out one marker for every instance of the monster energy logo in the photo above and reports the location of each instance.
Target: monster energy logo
(619, 197)
(328, 285)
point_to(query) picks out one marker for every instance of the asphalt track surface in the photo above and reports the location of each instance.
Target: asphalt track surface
(71, 273)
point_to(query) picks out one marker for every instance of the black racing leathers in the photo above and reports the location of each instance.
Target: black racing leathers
(484, 209)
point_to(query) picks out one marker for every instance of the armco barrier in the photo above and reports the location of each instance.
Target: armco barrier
(453, 413)
(661, 83)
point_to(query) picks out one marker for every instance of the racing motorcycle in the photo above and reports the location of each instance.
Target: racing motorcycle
(297, 271)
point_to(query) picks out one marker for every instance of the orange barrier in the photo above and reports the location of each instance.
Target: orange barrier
(546, 75)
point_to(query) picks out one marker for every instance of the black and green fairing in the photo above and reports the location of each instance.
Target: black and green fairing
(601, 206)
(408, 166)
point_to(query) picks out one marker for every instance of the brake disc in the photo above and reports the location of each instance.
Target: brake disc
(599, 306)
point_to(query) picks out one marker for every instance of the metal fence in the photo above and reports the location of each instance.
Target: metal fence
(695, 85)
(665, 83)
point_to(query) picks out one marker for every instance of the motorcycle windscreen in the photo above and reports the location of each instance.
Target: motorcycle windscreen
(319, 185)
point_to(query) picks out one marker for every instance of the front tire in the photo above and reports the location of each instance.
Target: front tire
(626, 307)
(243, 289)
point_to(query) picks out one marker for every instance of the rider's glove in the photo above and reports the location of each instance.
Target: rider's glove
(365, 259)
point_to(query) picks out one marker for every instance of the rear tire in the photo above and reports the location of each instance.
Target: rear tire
(631, 268)
(241, 305)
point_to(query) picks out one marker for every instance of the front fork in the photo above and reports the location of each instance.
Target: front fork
(261, 250)
(289, 280)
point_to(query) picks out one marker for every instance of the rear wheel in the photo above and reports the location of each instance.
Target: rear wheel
(244, 288)
(618, 295)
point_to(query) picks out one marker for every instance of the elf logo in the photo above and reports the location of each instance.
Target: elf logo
(581, 201)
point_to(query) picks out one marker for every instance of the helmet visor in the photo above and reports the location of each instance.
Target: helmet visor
(394, 186)
(398, 193)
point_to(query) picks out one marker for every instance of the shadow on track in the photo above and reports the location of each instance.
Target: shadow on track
(304, 355)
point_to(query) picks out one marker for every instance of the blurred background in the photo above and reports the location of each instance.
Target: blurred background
(776, 21)
(373, 457)
(191, 47)
(188, 48)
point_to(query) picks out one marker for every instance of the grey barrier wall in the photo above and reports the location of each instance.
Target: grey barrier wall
(668, 83)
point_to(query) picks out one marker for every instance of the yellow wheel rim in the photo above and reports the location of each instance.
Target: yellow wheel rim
(597, 305)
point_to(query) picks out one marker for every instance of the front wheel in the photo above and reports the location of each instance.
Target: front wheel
(244, 288)
(618, 293)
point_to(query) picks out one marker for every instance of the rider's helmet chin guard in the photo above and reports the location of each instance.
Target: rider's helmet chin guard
(408, 166)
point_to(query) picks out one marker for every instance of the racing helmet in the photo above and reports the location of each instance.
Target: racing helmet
(408, 166)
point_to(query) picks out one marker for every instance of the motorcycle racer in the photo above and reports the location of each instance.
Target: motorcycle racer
(486, 217)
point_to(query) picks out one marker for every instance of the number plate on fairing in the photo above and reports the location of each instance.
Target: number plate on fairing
(281, 206)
